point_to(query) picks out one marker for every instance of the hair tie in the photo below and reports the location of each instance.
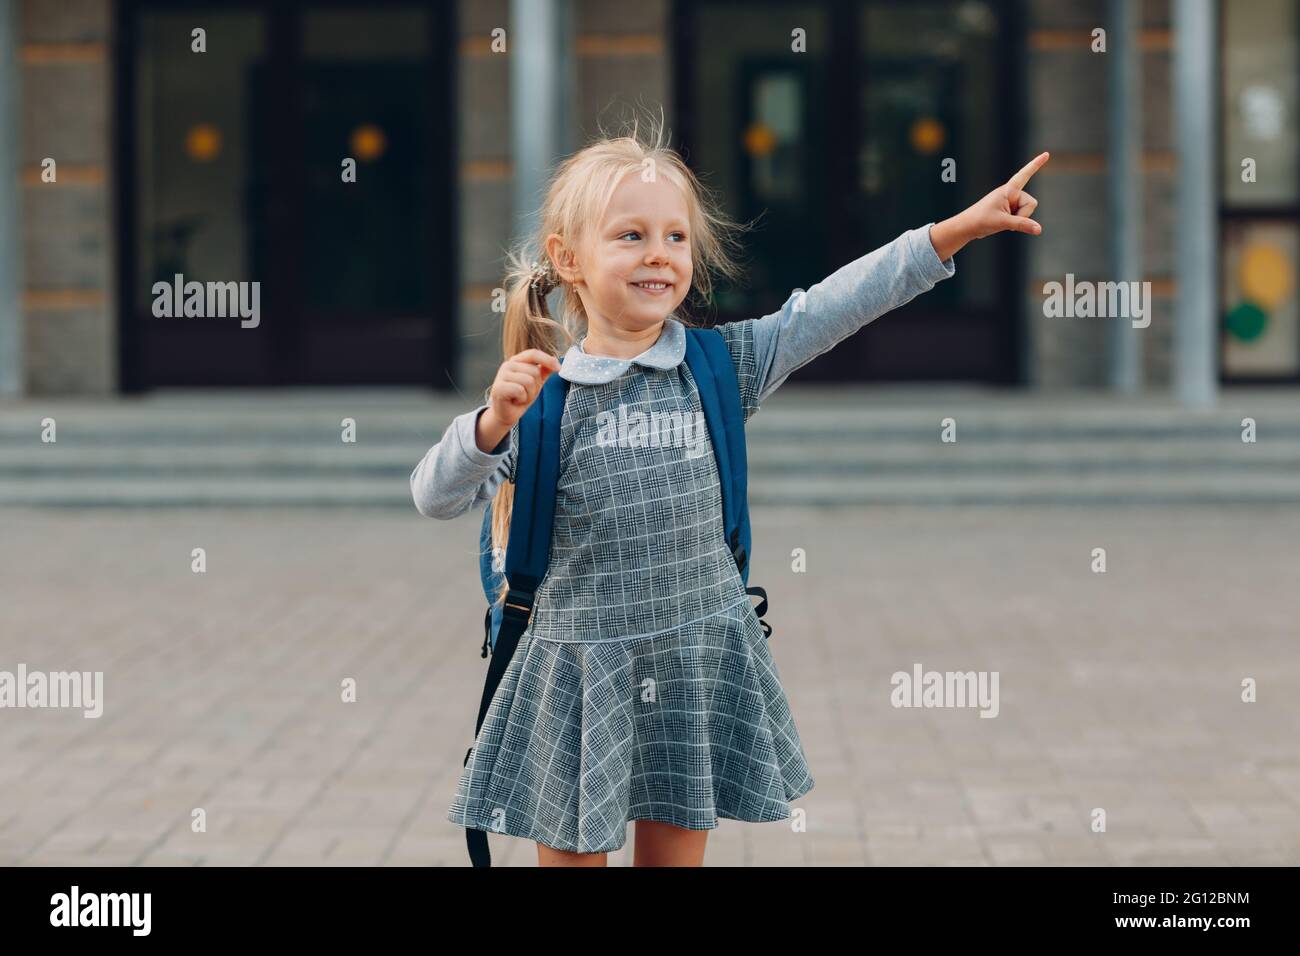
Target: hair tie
(543, 278)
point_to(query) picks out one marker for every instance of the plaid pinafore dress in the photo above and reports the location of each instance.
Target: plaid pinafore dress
(643, 688)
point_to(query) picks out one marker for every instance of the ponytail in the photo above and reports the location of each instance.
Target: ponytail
(528, 325)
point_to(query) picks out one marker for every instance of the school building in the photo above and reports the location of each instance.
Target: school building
(145, 139)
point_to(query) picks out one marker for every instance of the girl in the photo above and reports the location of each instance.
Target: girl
(643, 688)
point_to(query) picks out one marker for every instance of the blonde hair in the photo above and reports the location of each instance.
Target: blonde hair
(577, 197)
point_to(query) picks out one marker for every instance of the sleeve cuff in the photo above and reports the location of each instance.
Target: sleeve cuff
(466, 426)
(926, 259)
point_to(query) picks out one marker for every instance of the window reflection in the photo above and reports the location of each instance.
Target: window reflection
(1259, 103)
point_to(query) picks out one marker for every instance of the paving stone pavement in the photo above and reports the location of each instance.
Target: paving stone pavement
(222, 690)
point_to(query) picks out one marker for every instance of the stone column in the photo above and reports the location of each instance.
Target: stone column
(12, 339)
(1196, 74)
(1125, 183)
(541, 97)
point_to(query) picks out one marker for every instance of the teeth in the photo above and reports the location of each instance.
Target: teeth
(653, 285)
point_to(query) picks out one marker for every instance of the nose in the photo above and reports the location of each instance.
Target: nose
(657, 253)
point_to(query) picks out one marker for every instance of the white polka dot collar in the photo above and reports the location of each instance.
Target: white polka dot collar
(667, 352)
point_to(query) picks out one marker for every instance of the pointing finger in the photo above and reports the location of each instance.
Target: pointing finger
(1019, 180)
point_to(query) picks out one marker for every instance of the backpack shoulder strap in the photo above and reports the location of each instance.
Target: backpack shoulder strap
(491, 577)
(532, 517)
(537, 471)
(711, 365)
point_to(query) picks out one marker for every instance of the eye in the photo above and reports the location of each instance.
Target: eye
(633, 232)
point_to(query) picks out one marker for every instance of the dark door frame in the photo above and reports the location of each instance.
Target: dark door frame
(844, 80)
(283, 40)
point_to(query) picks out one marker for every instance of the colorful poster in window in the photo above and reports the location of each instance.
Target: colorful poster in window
(1261, 338)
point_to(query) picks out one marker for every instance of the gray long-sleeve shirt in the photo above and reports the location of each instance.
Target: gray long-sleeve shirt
(455, 474)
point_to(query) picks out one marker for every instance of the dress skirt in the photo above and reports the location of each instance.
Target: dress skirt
(684, 727)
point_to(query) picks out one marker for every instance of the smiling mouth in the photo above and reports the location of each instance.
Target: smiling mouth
(653, 286)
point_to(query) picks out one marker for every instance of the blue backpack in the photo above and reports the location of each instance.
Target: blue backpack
(533, 512)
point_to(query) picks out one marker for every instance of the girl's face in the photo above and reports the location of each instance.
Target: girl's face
(635, 268)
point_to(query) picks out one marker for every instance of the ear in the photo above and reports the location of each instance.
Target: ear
(563, 257)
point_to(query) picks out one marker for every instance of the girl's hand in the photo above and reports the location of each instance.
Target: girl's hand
(1006, 209)
(518, 383)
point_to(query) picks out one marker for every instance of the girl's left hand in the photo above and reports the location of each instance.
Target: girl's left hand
(1007, 208)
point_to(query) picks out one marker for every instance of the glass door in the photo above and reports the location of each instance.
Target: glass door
(837, 146)
(934, 116)
(301, 162)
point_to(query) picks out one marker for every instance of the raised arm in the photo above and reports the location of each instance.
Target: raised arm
(815, 321)
(811, 322)
(768, 349)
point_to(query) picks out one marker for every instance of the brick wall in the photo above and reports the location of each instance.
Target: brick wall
(1067, 115)
(71, 329)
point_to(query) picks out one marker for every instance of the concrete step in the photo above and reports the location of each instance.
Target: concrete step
(807, 446)
(850, 456)
(817, 490)
(145, 424)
